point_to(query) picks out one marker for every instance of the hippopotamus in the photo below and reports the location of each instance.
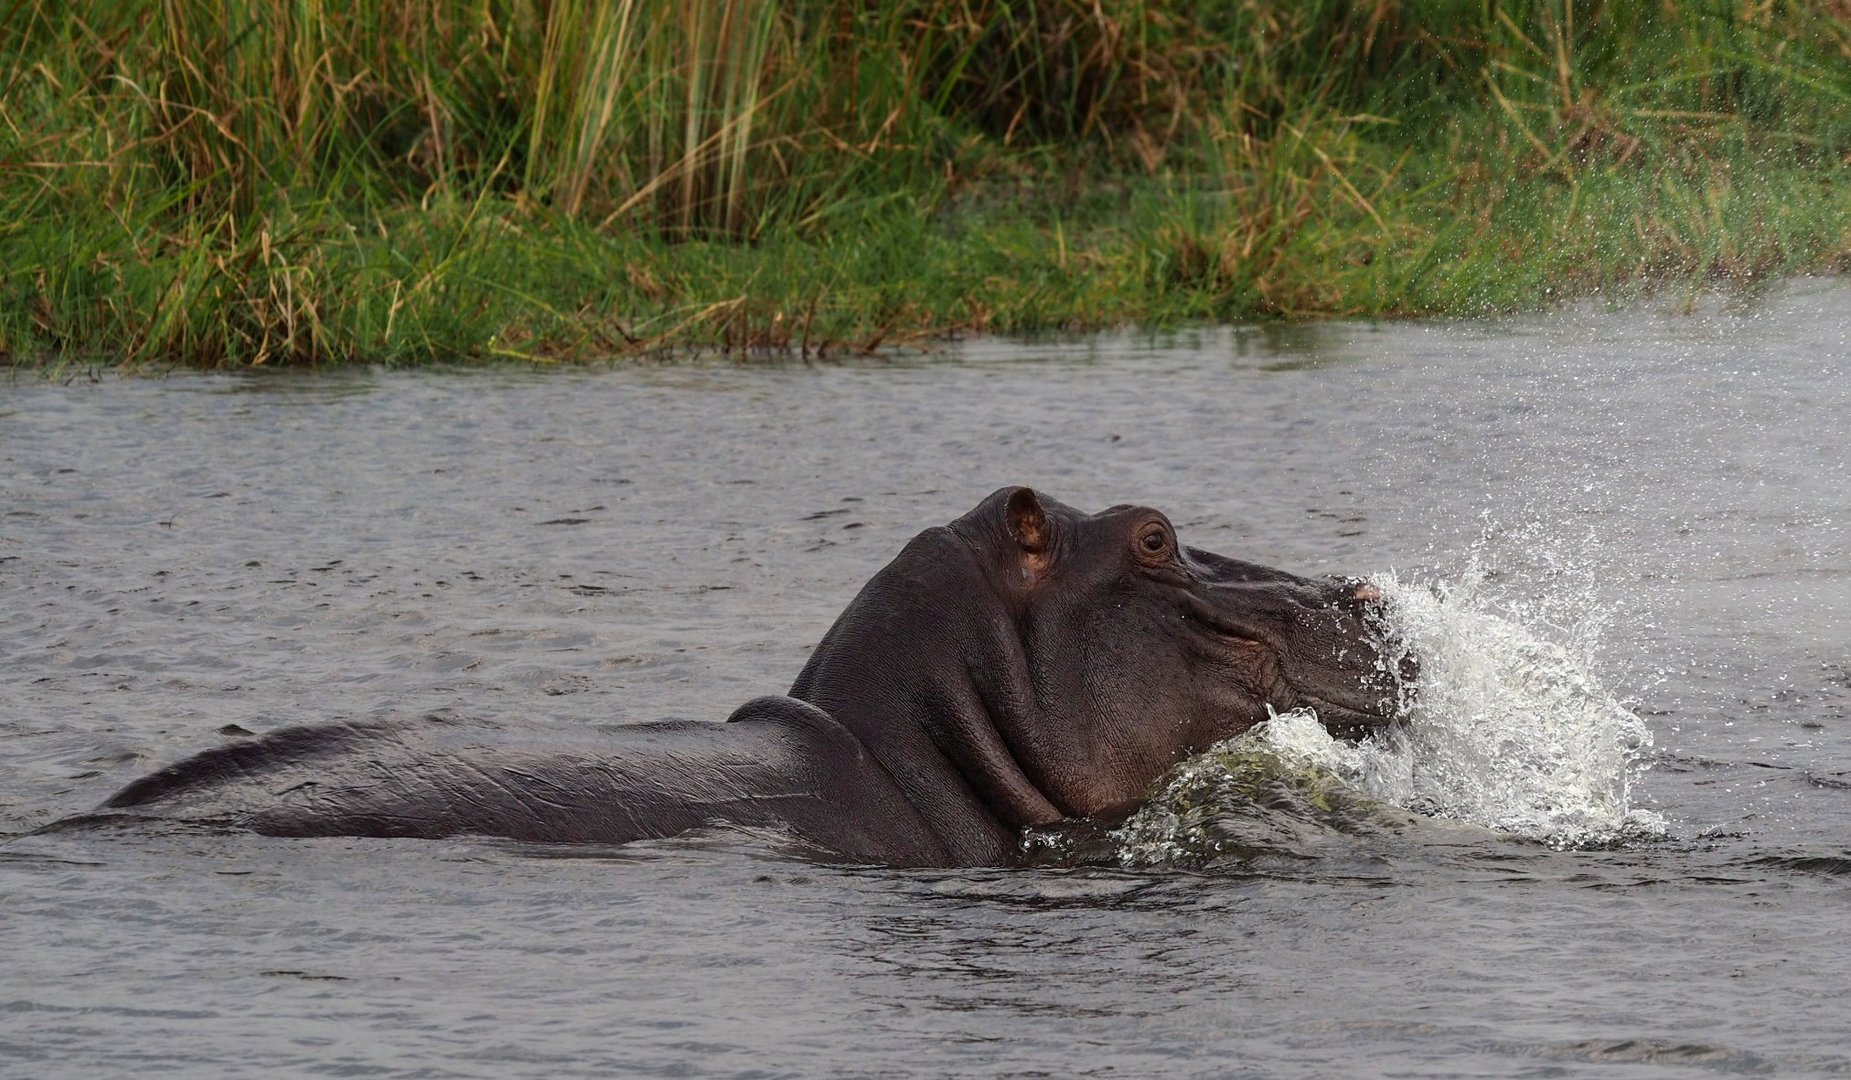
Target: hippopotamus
(1023, 666)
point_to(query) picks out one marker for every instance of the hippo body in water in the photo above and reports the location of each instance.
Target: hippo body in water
(1026, 664)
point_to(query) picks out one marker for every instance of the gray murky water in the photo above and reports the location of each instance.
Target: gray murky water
(569, 548)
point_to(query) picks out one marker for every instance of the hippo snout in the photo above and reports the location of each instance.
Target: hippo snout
(1335, 650)
(1380, 667)
(1400, 666)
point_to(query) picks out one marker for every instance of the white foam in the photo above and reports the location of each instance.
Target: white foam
(1507, 728)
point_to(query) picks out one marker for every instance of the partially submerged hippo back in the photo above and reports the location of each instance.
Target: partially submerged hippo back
(1025, 664)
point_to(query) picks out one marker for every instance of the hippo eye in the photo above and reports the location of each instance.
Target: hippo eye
(1153, 542)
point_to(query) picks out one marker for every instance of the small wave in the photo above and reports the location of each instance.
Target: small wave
(1252, 800)
(1651, 1052)
(1831, 865)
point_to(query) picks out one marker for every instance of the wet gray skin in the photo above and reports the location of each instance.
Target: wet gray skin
(1026, 664)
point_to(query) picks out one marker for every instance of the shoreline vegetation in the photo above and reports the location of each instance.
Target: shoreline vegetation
(230, 183)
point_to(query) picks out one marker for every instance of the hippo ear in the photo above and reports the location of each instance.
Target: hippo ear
(1028, 523)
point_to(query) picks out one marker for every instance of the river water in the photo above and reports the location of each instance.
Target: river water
(1657, 500)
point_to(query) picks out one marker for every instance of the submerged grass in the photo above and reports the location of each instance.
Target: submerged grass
(215, 183)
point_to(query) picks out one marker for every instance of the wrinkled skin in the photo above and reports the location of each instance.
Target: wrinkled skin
(1024, 665)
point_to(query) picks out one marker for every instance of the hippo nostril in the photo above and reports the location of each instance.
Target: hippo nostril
(1356, 595)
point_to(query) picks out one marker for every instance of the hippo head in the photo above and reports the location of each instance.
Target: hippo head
(1061, 662)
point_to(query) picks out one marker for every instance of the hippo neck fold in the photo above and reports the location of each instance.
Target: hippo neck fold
(926, 668)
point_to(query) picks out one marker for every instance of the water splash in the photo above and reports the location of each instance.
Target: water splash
(1509, 728)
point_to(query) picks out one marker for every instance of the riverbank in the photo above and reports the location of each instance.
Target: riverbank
(232, 185)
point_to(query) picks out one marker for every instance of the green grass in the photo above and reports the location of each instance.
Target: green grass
(215, 183)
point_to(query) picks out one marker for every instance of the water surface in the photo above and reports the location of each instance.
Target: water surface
(187, 557)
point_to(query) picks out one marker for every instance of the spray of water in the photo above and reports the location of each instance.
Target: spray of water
(1510, 727)
(1507, 728)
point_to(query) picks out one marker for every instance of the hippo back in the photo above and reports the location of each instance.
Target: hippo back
(780, 765)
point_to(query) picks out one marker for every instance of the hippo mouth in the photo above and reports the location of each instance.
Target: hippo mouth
(1341, 678)
(1343, 722)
